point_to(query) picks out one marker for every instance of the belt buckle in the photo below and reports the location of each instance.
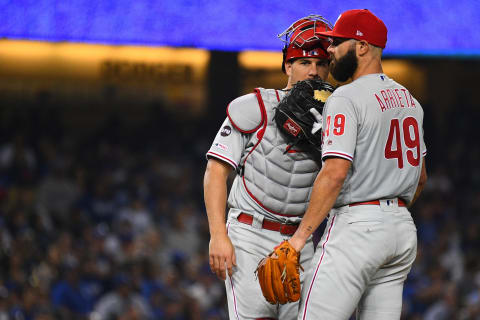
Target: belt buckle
(284, 228)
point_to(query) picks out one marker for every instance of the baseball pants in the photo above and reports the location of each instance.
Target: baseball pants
(361, 263)
(252, 243)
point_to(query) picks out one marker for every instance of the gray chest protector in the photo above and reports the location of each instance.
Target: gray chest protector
(277, 179)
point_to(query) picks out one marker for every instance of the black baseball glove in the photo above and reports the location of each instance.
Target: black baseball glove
(299, 115)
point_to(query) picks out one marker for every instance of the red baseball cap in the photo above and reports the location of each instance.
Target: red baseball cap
(359, 24)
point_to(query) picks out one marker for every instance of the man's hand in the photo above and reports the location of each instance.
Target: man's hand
(222, 256)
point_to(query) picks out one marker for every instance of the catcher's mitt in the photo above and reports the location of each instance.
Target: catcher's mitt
(279, 274)
(299, 114)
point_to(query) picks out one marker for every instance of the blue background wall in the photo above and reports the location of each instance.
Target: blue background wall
(415, 27)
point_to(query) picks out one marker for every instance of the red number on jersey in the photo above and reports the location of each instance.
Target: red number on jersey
(339, 124)
(409, 141)
(327, 127)
(412, 142)
(390, 153)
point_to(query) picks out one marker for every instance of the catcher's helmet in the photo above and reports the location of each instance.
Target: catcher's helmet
(302, 39)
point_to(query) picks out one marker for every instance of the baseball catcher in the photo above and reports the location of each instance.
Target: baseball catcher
(271, 190)
(299, 115)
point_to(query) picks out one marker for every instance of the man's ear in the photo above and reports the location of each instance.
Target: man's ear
(288, 68)
(362, 47)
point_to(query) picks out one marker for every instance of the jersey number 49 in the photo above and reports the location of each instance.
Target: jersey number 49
(403, 137)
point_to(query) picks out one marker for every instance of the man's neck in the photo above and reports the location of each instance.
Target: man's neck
(370, 66)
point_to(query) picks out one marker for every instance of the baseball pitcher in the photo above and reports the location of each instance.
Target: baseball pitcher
(373, 151)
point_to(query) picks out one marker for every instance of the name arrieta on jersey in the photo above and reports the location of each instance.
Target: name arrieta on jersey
(394, 98)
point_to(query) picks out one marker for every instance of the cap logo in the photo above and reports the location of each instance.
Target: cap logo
(310, 53)
(359, 33)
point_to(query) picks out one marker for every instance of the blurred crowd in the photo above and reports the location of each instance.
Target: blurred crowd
(109, 223)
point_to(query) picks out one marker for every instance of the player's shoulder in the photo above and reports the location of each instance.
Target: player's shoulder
(347, 89)
(341, 99)
(341, 91)
(245, 113)
(274, 94)
(344, 93)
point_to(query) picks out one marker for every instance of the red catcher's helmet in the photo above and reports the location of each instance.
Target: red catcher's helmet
(302, 39)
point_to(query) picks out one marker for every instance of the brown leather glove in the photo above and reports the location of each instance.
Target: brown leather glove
(279, 274)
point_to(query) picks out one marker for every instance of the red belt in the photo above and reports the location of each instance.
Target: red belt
(286, 229)
(401, 203)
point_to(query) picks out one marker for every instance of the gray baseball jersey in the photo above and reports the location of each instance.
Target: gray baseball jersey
(273, 183)
(367, 250)
(378, 125)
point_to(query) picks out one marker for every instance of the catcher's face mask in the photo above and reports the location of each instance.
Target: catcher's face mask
(302, 39)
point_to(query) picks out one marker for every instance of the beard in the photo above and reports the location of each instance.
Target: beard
(344, 68)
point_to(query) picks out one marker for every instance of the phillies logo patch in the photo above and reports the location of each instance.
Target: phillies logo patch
(292, 127)
(226, 131)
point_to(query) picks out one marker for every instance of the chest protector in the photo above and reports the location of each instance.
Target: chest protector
(277, 179)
